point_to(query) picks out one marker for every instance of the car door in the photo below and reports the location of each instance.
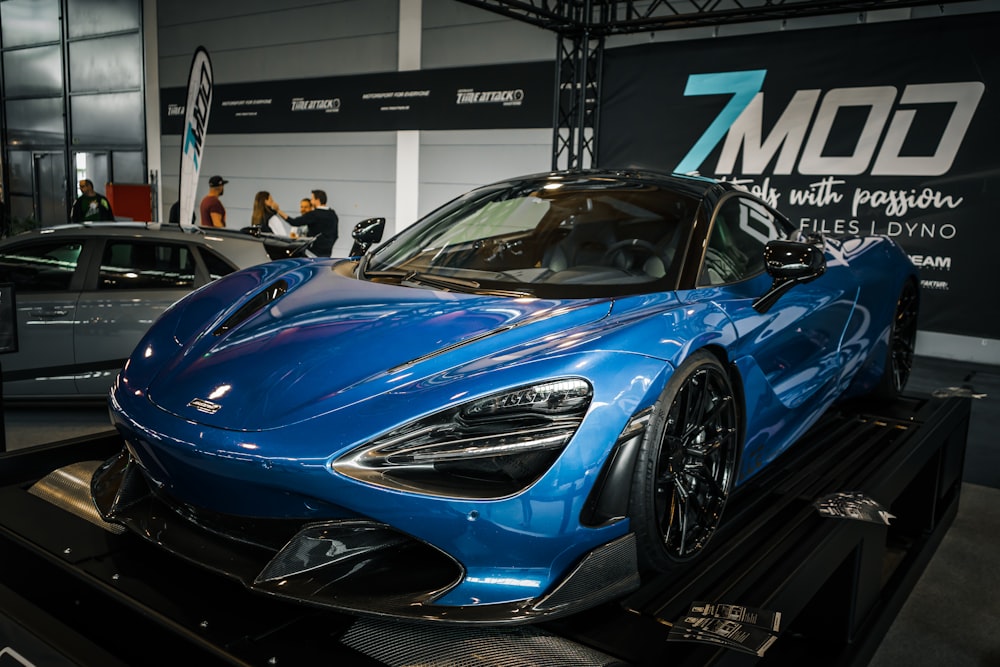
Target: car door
(46, 280)
(796, 343)
(135, 280)
(789, 355)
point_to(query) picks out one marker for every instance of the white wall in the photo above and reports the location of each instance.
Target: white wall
(458, 35)
(259, 40)
(454, 162)
(263, 40)
(356, 169)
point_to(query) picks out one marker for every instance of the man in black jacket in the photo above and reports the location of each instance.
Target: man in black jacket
(320, 222)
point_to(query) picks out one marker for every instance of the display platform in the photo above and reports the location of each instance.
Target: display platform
(74, 593)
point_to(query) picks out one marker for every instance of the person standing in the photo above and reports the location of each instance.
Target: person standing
(91, 206)
(265, 216)
(263, 210)
(213, 213)
(321, 222)
(305, 205)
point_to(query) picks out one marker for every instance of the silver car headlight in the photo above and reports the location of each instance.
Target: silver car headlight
(486, 448)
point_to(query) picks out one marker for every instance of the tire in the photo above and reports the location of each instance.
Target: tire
(902, 341)
(686, 464)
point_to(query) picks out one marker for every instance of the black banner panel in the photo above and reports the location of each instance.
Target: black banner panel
(468, 98)
(886, 128)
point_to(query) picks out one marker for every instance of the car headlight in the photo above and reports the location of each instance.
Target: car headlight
(486, 448)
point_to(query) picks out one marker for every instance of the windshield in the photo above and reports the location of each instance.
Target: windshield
(545, 237)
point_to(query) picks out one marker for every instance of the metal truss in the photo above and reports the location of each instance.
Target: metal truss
(582, 25)
(609, 17)
(577, 96)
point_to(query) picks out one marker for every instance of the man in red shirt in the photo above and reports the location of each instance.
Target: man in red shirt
(213, 213)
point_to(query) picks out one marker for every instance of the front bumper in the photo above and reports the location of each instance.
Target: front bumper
(354, 565)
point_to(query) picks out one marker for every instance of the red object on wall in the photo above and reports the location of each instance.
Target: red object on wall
(131, 200)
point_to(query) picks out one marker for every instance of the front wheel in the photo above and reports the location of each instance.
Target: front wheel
(686, 464)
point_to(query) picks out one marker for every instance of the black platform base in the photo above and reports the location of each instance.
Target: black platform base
(73, 593)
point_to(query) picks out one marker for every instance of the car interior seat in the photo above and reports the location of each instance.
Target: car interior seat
(656, 265)
(586, 244)
(647, 248)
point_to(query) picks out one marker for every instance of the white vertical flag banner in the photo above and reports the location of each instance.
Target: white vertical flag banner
(199, 104)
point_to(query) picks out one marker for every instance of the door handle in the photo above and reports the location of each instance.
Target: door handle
(48, 313)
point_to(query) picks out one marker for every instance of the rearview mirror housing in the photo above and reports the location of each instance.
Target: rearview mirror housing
(366, 233)
(789, 263)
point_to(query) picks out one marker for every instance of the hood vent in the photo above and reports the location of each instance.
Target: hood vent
(269, 295)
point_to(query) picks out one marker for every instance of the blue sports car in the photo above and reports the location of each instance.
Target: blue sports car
(509, 410)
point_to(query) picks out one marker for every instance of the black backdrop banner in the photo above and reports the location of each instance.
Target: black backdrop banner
(886, 128)
(490, 96)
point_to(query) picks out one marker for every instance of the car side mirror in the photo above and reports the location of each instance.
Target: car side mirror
(365, 234)
(789, 263)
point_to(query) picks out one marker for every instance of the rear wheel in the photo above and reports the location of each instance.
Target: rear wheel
(686, 464)
(902, 342)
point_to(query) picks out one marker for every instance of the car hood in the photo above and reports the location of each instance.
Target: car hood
(332, 341)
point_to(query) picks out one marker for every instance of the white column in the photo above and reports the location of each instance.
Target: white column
(152, 102)
(408, 141)
(407, 178)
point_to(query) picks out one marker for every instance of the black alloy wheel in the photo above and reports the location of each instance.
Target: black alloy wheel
(687, 464)
(902, 343)
(904, 335)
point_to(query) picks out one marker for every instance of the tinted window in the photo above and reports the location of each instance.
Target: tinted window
(131, 264)
(735, 250)
(217, 267)
(40, 267)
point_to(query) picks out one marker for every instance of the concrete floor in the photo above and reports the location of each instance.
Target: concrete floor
(952, 617)
(27, 424)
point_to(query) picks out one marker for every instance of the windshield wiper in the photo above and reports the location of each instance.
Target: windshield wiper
(366, 274)
(416, 279)
(441, 282)
(448, 283)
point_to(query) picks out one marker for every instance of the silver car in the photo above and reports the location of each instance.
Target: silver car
(85, 295)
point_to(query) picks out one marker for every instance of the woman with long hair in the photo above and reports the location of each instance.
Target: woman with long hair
(263, 208)
(268, 217)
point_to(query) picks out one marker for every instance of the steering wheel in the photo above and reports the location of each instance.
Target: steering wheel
(493, 250)
(626, 248)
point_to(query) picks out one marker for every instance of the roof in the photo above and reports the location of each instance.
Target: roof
(239, 247)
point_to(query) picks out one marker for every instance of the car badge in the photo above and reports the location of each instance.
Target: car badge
(203, 405)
